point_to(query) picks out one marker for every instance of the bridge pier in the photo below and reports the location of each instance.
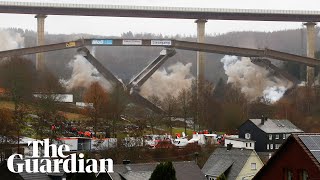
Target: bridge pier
(311, 46)
(40, 64)
(200, 55)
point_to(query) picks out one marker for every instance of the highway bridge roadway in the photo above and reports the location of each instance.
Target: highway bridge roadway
(157, 12)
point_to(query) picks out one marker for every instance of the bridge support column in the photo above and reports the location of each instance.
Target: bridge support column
(40, 64)
(311, 46)
(200, 55)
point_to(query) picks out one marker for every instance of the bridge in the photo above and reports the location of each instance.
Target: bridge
(166, 43)
(157, 12)
(132, 89)
(201, 15)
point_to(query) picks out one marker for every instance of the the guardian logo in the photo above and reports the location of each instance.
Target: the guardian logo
(70, 163)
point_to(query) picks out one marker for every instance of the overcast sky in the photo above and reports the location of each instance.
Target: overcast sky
(116, 26)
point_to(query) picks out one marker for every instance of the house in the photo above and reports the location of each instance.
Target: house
(6, 174)
(10, 147)
(234, 163)
(185, 170)
(297, 158)
(268, 134)
(86, 143)
(239, 143)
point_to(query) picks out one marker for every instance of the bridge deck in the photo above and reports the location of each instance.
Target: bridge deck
(157, 12)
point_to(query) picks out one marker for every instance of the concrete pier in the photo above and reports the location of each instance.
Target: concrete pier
(200, 55)
(311, 46)
(40, 62)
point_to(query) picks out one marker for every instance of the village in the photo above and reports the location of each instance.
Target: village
(161, 90)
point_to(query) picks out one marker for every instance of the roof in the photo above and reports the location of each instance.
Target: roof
(139, 175)
(220, 167)
(240, 139)
(35, 176)
(222, 159)
(185, 170)
(276, 126)
(310, 143)
(25, 140)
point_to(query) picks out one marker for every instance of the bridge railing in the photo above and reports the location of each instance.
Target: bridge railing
(159, 8)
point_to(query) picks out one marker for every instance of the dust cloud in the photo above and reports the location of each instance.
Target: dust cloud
(254, 81)
(168, 80)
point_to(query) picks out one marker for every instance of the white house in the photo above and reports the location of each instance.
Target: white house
(239, 143)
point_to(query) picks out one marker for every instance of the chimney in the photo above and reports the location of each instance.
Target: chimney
(263, 119)
(126, 164)
(229, 146)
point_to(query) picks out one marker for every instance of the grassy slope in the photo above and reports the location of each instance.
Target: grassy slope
(68, 115)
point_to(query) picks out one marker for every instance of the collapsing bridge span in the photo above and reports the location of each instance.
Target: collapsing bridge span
(133, 87)
(183, 45)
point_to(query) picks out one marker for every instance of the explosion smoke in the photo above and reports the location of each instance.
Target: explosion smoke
(172, 80)
(10, 40)
(84, 74)
(254, 81)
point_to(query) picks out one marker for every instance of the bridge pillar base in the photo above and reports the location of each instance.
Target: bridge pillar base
(311, 45)
(40, 64)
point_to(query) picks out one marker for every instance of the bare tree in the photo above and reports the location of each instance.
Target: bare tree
(118, 103)
(16, 76)
(184, 101)
(8, 130)
(46, 109)
(99, 98)
(153, 117)
(169, 105)
(204, 98)
(194, 104)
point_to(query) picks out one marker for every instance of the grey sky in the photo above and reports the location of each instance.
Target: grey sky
(116, 25)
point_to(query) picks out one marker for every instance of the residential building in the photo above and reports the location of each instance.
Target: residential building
(297, 158)
(6, 174)
(234, 163)
(86, 143)
(11, 147)
(185, 170)
(268, 134)
(239, 143)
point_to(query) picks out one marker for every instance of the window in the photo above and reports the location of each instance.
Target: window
(250, 145)
(284, 136)
(246, 144)
(277, 136)
(247, 136)
(270, 136)
(303, 175)
(277, 146)
(268, 146)
(271, 146)
(253, 166)
(289, 175)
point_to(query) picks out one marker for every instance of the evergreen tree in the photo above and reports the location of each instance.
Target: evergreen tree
(164, 171)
